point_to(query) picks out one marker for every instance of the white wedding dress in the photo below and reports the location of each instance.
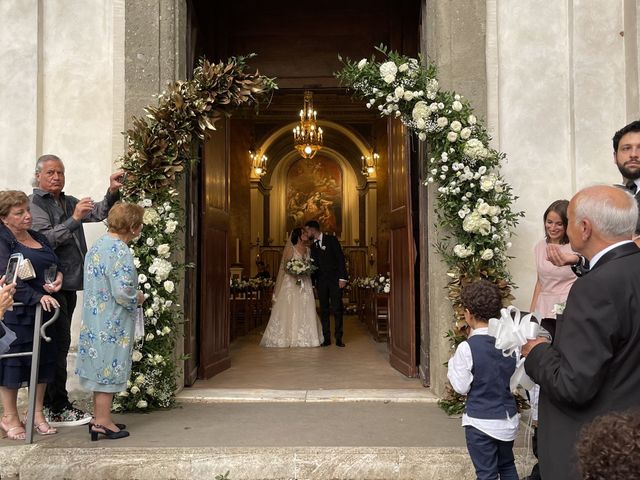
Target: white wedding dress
(293, 321)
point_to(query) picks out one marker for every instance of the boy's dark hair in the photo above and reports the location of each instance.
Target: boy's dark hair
(482, 298)
(632, 127)
(313, 224)
(609, 447)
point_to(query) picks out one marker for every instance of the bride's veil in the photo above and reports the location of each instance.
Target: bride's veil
(287, 253)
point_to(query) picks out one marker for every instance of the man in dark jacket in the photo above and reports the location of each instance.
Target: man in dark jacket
(592, 366)
(60, 217)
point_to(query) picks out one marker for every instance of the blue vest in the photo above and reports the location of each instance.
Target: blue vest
(489, 396)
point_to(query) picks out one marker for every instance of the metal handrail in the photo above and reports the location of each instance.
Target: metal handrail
(38, 331)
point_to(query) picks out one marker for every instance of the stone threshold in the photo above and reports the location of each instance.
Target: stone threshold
(249, 395)
(38, 462)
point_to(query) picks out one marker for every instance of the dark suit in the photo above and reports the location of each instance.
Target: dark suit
(329, 259)
(592, 366)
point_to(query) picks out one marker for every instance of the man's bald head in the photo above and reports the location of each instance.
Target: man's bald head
(600, 216)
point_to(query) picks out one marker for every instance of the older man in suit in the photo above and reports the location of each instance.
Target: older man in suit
(592, 366)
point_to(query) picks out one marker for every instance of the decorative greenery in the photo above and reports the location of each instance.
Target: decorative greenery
(473, 202)
(159, 145)
(381, 283)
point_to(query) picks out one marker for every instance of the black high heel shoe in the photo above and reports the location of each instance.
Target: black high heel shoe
(121, 426)
(110, 434)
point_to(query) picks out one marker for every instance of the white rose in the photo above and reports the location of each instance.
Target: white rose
(487, 254)
(487, 182)
(141, 404)
(456, 126)
(168, 286)
(420, 124)
(139, 379)
(408, 96)
(433, 107)
(399, 92)
(149, 337)
(150, 241)
(171, 226)
(465, 133)
(163, 250)
(136, 356)
(483, 208)
(442, 122)
(457, 106)
(148, 312)
(452, 136)
(142, 278)
(422, 136)
(362, 63)
(471, 119)
(146, 202)
(403, 68)
(166, 330)
(135, 390)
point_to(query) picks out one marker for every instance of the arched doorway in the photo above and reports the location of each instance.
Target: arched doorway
(239, 213)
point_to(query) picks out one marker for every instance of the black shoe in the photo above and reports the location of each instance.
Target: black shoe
(110, 434)
(121, 426)
(326, 343)
(339, 343)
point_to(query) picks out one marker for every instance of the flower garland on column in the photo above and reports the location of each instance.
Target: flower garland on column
(158, 147)
(473, 202)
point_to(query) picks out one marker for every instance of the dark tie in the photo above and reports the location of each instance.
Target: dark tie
(633, 188)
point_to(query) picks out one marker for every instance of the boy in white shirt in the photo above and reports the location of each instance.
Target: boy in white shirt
(481, 372)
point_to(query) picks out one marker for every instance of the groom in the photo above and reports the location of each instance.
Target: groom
(329, 279)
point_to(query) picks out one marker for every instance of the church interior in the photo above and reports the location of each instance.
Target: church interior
(267, 186)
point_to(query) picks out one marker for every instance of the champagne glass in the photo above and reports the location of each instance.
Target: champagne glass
(50, 274)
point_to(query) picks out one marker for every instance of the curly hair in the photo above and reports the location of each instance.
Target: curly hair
(482, 298)
(609, 447)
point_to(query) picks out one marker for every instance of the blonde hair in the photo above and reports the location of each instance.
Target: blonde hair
(124, 217)
(10, 199)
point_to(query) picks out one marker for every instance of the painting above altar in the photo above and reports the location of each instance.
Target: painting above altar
(314, 192)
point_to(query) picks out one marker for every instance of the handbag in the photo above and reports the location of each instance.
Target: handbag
(25, 270)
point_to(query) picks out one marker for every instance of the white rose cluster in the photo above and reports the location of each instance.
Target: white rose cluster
(388, 71)
(150, 216)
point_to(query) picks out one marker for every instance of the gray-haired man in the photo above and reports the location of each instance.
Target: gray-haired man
(60, 217)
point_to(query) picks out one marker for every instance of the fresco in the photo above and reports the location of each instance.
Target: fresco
(314, 192)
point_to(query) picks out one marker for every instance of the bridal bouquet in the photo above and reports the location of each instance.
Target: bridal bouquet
(300, 267)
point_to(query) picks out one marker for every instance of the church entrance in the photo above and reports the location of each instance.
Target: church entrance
(251, 188)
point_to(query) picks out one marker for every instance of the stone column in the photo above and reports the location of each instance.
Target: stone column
(453, 36)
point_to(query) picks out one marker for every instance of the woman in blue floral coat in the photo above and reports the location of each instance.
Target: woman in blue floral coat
(111, 297)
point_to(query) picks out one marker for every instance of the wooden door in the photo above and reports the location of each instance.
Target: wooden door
(402, 313)
(191, 283)
(214, 267)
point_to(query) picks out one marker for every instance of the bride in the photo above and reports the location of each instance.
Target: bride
(294, 321)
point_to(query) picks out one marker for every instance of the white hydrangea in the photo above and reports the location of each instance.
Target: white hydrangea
(475, 149)
(388, 71)
(160, 268)
(150, 216)
(476, 223)
(420, 111)
(462, 251)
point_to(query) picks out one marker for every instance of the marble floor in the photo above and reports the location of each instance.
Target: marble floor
(362, 364)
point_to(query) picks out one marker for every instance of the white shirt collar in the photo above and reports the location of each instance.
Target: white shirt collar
(480, 331)
(599, 255)
(637, 182)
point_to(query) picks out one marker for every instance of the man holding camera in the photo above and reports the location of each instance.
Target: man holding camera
(60, 217)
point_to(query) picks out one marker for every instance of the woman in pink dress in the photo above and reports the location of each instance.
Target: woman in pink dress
(553, 283)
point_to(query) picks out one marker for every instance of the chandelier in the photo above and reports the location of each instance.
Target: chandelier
(307, 137)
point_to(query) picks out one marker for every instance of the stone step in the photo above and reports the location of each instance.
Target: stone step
(339, 463)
